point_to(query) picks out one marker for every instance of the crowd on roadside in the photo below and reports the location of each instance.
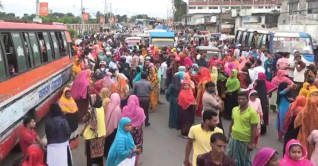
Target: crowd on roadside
(115, 87)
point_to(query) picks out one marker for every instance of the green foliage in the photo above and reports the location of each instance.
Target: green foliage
(181, 9)
(141, 16)
(73, 33)
(68, 18)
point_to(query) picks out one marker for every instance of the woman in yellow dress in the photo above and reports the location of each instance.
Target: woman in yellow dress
(154, 80)
(105, 94)
(76, 68)
(69, 108)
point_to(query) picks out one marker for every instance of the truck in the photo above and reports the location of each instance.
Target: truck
(161, 39)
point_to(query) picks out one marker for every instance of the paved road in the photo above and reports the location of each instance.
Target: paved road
(164, 146)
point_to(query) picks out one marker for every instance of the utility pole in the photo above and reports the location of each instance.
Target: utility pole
(220, 17)
(37, 12)
(82, 11)
(105, 11)
(110, 13)
(37, 8)
(167, 12)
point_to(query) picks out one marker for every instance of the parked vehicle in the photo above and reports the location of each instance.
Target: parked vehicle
(278, 40)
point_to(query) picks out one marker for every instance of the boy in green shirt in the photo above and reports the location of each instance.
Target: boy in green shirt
(242, 131)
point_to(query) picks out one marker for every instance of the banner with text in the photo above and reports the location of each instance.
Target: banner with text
(85, 16)
(101, 20)
(44, 9)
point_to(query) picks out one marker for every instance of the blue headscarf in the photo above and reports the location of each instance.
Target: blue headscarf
(181, 72)
(122, 145)
(138, 75)
(194, 71)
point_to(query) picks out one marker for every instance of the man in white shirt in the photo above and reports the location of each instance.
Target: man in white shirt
(113, 64)
(225, 48)
(262, 56)
(258, 69)
(291, 66)
(299, 72)
(128, 59)
(237, 52)
(141, 60)
(164, 68)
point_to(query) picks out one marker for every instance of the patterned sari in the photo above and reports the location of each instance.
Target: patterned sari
(205, 77)
(121, 87)
(154, 80)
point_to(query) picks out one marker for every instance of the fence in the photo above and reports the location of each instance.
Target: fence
(87, 27)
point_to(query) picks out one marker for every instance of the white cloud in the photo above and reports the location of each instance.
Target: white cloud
(156, 8)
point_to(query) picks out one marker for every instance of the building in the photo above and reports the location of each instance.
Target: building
(215, 6)
(210, 21)
(255, 20)
(299, 15)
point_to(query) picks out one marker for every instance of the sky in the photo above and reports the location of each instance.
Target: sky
(154, 8)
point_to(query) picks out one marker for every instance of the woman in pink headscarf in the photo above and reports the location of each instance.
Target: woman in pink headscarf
(187, 61)
(229, 68)
(112, 118)
(269, 86)
(242, 63)
(79, 92)
(266, 156)
(106, 82)
(280, 77)
(134, 112)
(294, 159)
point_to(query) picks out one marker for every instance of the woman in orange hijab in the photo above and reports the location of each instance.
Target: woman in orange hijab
(205, 77)
(121, 87)
(307, 121)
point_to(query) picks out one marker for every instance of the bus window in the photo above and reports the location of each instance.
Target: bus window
(65, 46)
(250, 41)
(259, 41)
(238, 37)
(35, 48)
(27, 49)
(244, 38)
(48, 46)
(55, 45)
(14, 52)
(3, 73)
(43, 48)
(18, 45)
(59, 41)
(265, 43)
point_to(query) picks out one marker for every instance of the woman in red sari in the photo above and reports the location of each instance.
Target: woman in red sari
(204, 78)
(186, 108)
(34, 156)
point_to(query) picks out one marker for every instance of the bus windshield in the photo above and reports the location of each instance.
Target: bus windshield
(291, 44)
(163, 43)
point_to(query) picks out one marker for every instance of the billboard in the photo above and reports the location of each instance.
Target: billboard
(101, 20)
(85, 16)
(44, 9)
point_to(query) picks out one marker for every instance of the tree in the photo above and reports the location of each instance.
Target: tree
(66, 18)
(73, 33)
(1, 5)
(181, 9)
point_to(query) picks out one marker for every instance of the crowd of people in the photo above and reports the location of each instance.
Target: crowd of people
(115, 87)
